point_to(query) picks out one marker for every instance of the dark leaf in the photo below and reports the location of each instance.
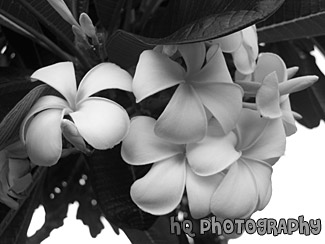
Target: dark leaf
(108, 12)
(9, 126)
(158, 233)
(13, 228)
(295, 19)
(111, 179)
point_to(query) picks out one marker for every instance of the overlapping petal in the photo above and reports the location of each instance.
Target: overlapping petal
(184, 119)
(213, 154)
(45, 102)
(43, 137)
(101, 122)
(61, 77)
(142, 146)
(230, 43)
(161, 189)
(155, 72)
(223, 100)
(101, 77)
(236, 196)
(243, 62)
(199, 190)
(287, 116)
(193, 55)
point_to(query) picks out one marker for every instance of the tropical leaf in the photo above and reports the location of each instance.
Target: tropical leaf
(111, 179)
(295, 19)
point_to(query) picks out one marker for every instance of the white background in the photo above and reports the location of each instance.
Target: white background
(298, 189)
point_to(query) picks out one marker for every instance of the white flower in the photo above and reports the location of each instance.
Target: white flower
(101, 122)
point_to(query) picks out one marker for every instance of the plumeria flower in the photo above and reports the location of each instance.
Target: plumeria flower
(246, 184)
(243, 46)
(271, 83)
(201, 87)
(101, 122)
(161, 189)
(15, 176)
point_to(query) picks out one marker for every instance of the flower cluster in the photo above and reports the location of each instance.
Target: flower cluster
(219, 136)
(217, 139)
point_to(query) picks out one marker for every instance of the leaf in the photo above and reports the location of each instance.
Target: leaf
(159, 233)
(9, 126)
(111, 179)
(295, 19)
(13, 228)
(186, 21)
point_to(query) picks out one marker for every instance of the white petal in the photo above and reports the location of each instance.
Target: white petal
(101, 122)
(184, 119)
(45, 102)
(142, 146)
(287, 116)
(268, 63)
(242, 60)
(161, 189)
(236, 196)
(213, 154)
(194, 56)
(230, 43)
(250, 42)
(61, 77)
(223, 100)
(101, 77)
(44, 139)
(268, 97)
(199, 190)
(155, 72)
(215, 70)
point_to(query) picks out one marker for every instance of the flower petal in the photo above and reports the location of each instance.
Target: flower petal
(61, 77)
(287, 116)
(155, 72)
(161, 189)
(268, 97)
(101, 122)
(262, 173)
(223, 100)
(242, 61)
(250, 42)
(236, 196)
(45, 102)
(230, 43)
(199, 190)
(184, 119)
(270, 144)
(194, 56)
(101, 77)
(268, 63)
(213, 154)
(215, 70)
(142, 146)
(43, 138)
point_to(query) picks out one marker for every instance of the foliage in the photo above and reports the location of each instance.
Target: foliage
(33, 34)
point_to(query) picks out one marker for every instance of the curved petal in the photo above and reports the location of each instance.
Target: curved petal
(287, 116)
(230, 43)
(243, 62)
(268, 63)
(199, 190)
(250, 42)
(270, 144)
(142, 146)
(44, 139)
(224, 101)
(161, 189)
(249, 128)
(264, 202)
(155, 72)
(236, 196)
(101, 122)
(268, 97)
(215, 70)
(101, 77)
(213, 154)
(194, 56)
(184, 119)
(61, 77)
(262, 173)
(45, 102)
